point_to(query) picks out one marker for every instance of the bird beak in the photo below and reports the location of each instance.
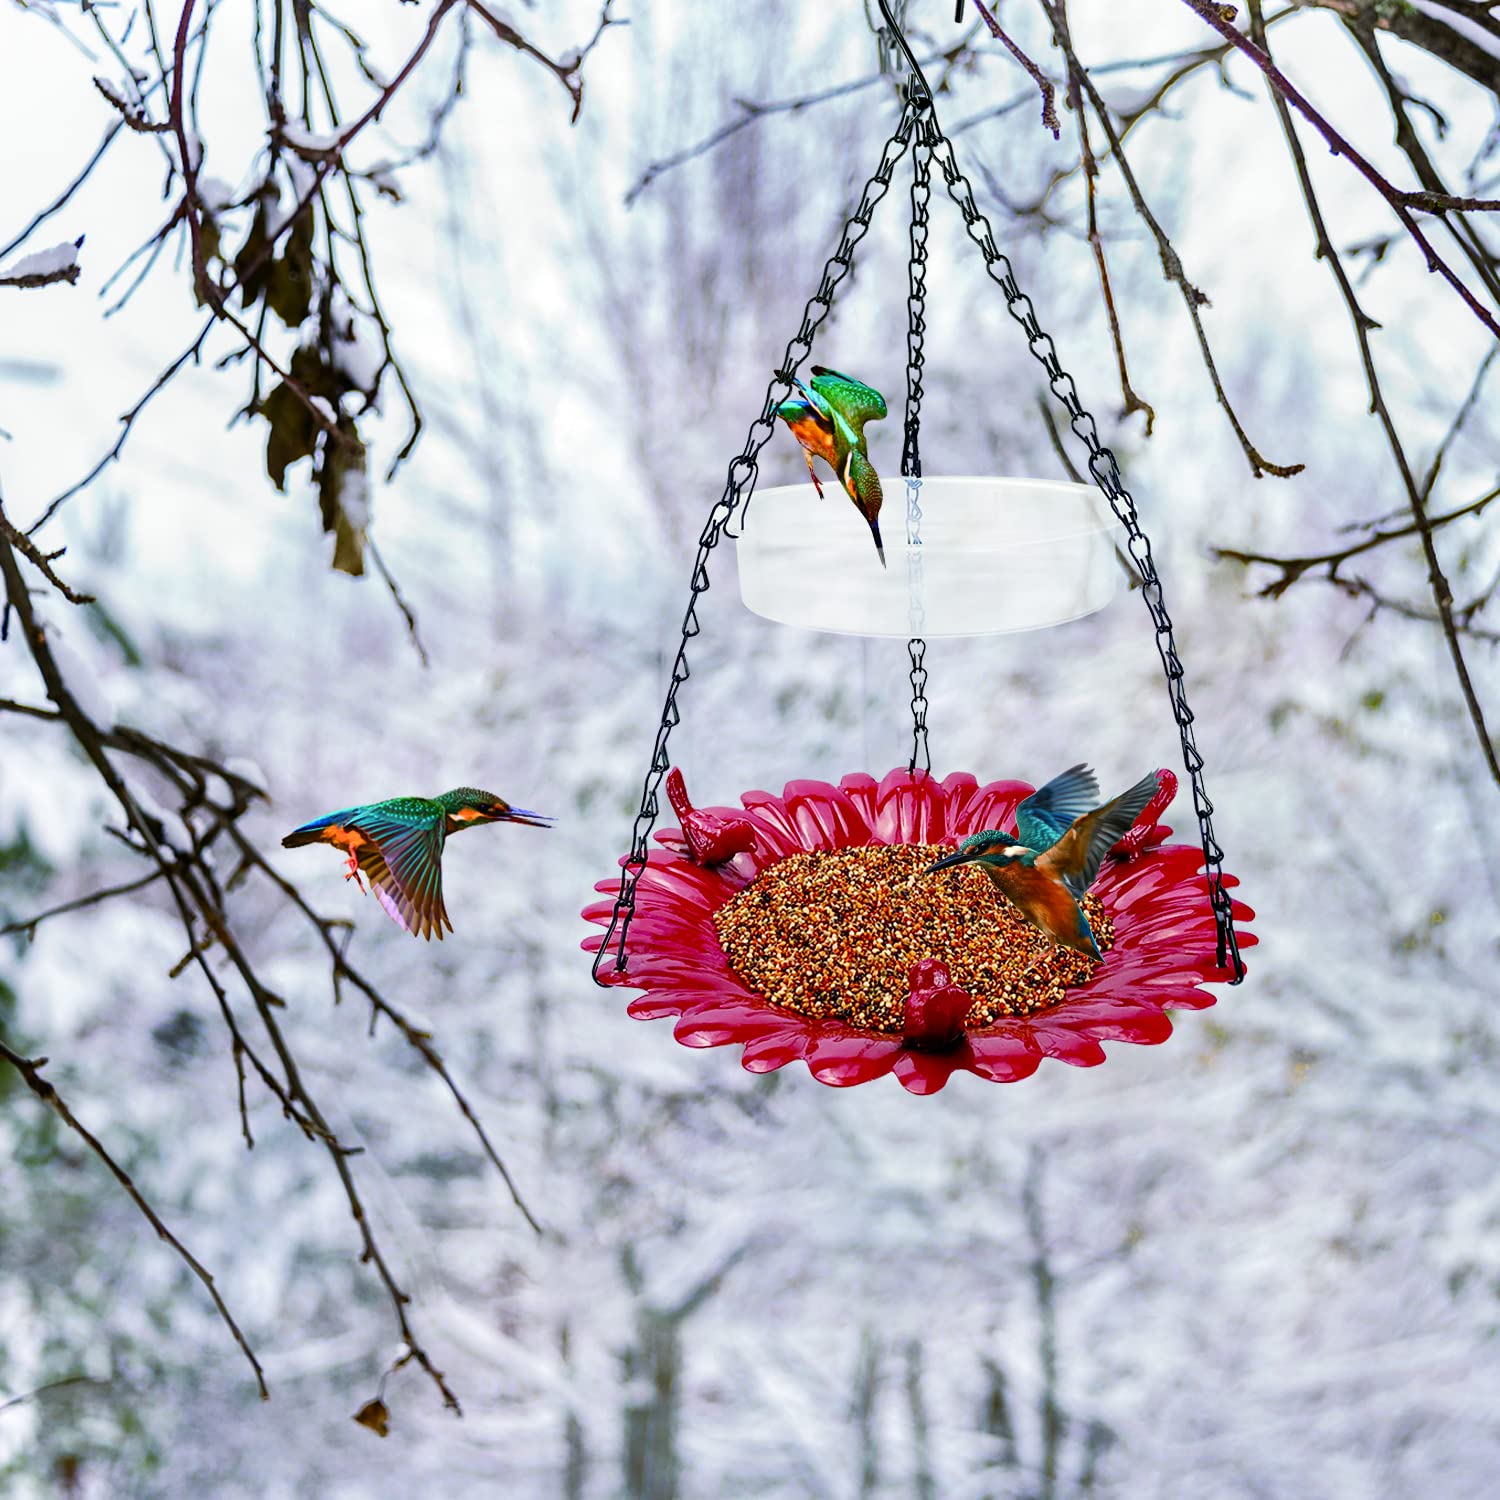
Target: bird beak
(879, 545)
(521, 815)
(958, 857)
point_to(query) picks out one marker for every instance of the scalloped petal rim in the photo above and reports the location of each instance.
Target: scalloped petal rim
(1162, 955)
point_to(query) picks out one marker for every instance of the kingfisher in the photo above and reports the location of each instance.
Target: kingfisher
(398, 846)
(1046, 867)
(828, 420)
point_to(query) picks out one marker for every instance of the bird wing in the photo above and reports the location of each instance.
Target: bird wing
(1048, 813)
(850, 399)
(1075, 858)
(403, 861)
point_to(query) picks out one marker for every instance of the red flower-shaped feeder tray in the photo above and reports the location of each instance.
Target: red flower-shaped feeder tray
(1162, 955)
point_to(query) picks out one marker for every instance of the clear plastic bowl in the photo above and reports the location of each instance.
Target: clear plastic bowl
(994, 556)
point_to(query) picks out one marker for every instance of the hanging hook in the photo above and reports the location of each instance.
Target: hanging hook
(899, 37)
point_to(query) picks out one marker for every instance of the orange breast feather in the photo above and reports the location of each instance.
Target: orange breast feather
(1045, 901)
(344, 838)
(814, 437)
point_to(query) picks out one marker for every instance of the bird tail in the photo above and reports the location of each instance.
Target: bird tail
(310, 833)
(1087, 934)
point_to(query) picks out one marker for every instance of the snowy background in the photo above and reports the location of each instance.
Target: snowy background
(1260, 1260)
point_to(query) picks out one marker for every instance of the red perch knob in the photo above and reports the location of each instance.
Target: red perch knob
(935, 1007)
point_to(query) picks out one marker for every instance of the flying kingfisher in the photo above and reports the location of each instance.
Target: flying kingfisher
(398, 845)
(1047, 866)
(828, 420)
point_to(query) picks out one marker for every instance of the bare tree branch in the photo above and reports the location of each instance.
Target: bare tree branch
(189, 878)
(1171, 262)
(1401, 200)
(1133, 402)
(30, 1069)
(1363, 325)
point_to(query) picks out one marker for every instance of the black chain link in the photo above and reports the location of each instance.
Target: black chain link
(911, 455)
(739, 485)
(1105, 471)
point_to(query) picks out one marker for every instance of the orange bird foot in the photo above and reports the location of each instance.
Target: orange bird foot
(352, 873)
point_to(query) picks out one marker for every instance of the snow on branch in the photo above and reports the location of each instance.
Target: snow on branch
(45, 267)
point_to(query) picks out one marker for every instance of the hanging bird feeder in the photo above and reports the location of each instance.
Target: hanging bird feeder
(808, 925)
(1152, 895)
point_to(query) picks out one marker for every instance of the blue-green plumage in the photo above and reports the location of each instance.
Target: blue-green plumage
(827, 417)
(1051, 810)
(398, 846)
(1046, 867)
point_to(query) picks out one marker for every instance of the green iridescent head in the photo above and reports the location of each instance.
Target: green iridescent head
(466, 805)
(992, 847)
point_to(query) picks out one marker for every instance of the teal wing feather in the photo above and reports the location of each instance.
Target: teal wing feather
(850, 399)
(1075, 858)
(405, 865)
(805, 404)
(1051, 810)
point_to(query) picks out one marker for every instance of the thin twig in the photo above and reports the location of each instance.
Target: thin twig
(41, 561)
(191, 883)
(567, 69)
(30, 1070)
(1133, 402)
(1401, 200)
(67, 193)
(1171, 263)
(1442, 592)
(1039, 78)
(407, 613)
(30, 924)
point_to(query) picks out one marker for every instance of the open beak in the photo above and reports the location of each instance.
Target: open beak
(530, 819)
(958, 857)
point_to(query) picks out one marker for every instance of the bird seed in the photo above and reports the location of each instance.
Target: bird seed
(834, 935)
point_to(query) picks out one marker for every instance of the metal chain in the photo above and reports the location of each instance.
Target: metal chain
(911, 456)
(739, 485)
(1105, 470)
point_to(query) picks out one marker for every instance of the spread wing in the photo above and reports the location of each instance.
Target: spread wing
(852, 400)
(1075, 858)
(1048, 813)
(403, 863)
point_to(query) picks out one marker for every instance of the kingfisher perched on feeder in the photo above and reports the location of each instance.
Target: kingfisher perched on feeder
(1047, 866)
(828, 420)
(398, 846)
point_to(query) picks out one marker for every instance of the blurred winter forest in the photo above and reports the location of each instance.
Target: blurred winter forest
(564, 253)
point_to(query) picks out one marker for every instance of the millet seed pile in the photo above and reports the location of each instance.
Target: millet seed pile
(835, 935)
